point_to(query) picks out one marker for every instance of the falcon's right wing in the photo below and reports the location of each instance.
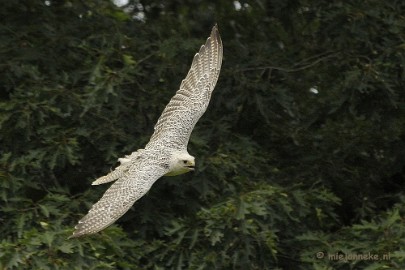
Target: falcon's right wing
(117, 200)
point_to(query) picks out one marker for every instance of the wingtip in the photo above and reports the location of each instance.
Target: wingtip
(215, 29)
(75, 234)
(72, 236)
(79, 231)
(215, 33)
(100, 181)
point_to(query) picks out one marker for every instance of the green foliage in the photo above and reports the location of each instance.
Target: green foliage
(301, 150)
(381, 238)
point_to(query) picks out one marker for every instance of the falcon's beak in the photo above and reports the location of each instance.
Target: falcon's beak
(191, 165)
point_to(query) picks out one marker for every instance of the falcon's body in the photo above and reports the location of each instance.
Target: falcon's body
(166, 153)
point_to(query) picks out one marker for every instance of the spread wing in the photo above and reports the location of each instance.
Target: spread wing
(178, 119)
(117, 200)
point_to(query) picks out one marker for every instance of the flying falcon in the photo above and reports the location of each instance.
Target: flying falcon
(166, 153)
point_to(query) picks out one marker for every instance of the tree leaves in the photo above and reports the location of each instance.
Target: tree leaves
(283, 172)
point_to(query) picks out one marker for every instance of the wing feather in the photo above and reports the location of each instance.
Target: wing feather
(178, 119)
(136, 175)
(117, 200)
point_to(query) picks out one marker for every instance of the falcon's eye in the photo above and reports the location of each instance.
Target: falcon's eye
(184, 161)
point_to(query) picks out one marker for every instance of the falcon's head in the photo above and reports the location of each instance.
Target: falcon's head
(181, 162)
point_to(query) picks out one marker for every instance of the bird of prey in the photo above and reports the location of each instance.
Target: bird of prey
(166, 153)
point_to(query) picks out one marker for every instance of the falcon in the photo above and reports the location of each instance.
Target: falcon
(166, 153)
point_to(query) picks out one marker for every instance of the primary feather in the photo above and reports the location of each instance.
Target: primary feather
(166, 153)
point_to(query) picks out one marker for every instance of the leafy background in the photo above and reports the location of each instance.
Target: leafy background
(301, 150)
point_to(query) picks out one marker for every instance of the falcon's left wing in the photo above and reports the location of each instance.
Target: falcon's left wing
(178, 119)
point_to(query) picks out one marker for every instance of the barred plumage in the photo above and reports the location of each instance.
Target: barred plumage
(166, 153)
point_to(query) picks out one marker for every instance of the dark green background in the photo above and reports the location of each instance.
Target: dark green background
(282, 172)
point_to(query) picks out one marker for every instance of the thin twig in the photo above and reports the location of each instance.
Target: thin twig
(293, 69)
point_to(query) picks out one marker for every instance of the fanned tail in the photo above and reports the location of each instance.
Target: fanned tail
(112, 176)
(120, 170)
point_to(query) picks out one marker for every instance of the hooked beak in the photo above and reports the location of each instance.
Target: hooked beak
(191, 165)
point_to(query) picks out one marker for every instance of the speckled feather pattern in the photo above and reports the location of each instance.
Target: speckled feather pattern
(178, 119)
(139, 170)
